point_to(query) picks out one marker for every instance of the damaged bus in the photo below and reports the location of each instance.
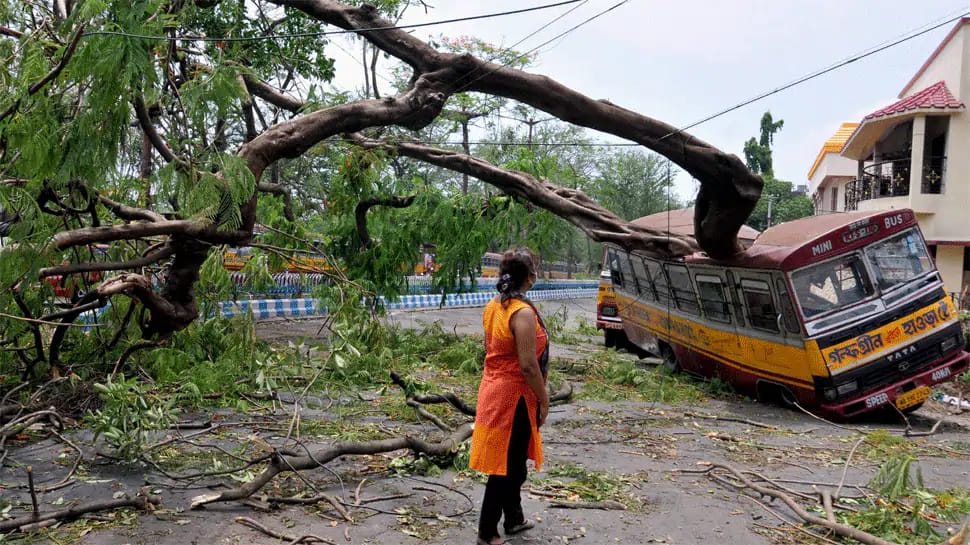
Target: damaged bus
(841, 314)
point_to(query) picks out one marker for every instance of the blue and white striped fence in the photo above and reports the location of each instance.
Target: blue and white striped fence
(293, 284)
(263, 309)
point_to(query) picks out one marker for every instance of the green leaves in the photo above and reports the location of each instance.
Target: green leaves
(130, 413)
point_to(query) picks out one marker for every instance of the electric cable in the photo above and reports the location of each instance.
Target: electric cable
(554, 38)
(516, 44)
(328, 32)
(812, 75)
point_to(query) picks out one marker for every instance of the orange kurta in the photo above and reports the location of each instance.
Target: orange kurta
(502, 385)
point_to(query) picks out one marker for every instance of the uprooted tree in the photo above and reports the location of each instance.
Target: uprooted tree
(137, 137)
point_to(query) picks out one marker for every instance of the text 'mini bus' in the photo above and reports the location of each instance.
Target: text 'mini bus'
(843, 313)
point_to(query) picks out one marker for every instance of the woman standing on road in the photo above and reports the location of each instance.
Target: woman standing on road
(512, 398)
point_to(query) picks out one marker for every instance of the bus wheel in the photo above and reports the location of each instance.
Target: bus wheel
(772, 392)
(612, 338)
(669, 358)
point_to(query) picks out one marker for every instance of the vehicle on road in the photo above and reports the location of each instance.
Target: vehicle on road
(841, 314)
(607, 315)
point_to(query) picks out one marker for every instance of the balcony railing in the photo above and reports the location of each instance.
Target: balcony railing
(891, 179)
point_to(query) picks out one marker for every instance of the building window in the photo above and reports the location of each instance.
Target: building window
(835, 198)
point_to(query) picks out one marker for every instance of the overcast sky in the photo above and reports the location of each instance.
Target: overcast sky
(685, 60)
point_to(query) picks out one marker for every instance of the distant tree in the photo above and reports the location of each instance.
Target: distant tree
(777, 196)
(757, 153)
(785, 205)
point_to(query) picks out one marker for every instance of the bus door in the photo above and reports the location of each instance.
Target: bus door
(716, 334)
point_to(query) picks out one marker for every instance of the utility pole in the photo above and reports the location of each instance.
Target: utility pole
(770, 198)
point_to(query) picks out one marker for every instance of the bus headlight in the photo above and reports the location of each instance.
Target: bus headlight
(829, 394)
(848, 387)
(948, 344)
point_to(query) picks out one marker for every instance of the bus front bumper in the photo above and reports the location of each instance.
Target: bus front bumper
(905, 393)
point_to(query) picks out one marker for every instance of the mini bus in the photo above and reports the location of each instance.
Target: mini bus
(607, 315)
(490, 263)
(842, 314)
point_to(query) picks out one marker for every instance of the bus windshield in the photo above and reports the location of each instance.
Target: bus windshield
(831, 285)
(899, 259)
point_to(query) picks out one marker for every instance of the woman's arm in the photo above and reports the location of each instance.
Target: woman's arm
(523, 326)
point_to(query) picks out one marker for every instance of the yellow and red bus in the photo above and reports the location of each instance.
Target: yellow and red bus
(607, 314)
(842, 313)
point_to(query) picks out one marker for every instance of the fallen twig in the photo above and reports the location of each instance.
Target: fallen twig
(337, 504)
(838, 528)
(291, 540)
(281, 462)
(140, 501)
(605, 505)
(845, 469)
(730, 419)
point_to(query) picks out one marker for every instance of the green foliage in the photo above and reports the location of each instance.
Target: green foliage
(612, 377)
(905, 512)
(757, 153)
(785, 204)
(220, 355)
(896, 478)
(577, 483)
(130, 413)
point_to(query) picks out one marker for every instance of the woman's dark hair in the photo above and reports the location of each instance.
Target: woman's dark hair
(513, 272)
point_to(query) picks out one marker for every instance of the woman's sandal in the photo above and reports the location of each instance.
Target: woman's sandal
(523, 526)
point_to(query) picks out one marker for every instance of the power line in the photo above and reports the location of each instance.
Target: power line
(818, 73)
(516, 44)
(510, 144)
(329, 32)
(554, 38)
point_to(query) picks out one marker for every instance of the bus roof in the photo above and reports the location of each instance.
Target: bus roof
(797, 243)
(681, 222)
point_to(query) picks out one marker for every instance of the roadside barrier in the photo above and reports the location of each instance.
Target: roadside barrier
(263, 309)
(287, 284)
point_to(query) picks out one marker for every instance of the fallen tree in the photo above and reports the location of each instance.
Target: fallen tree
(213, 120)
(280, 461)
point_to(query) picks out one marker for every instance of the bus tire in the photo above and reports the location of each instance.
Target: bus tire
(613, 338)
(669, 357)
(772, 392)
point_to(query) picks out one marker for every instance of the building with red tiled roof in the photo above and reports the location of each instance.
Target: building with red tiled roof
(911, 154)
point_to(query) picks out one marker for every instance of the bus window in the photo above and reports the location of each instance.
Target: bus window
(831, 285)
(713, 301)
(899, 259)
(682, 288)
(643, 280)
(761, 309)
(616, 274)
(629, 282)
(787, 308)
(659, 281)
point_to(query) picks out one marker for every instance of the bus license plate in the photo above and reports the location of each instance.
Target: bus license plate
(913, 397)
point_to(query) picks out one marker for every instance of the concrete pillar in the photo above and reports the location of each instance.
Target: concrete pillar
(949, 261)
(916, 156)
